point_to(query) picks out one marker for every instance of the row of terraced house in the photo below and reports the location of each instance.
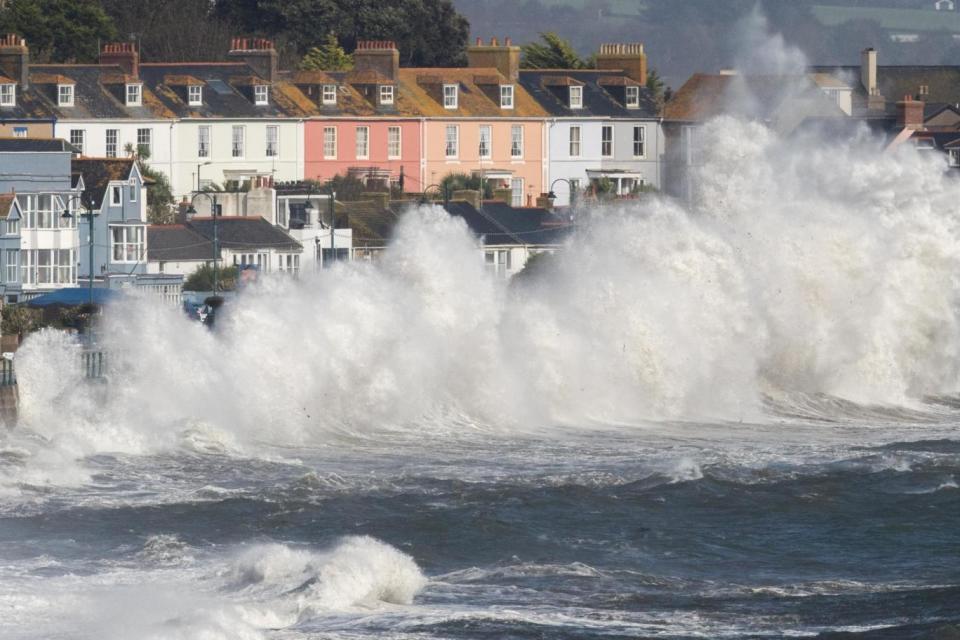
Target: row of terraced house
(214, 123)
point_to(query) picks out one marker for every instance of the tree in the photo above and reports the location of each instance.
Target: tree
(202, 279)
(462, 181)
(428, 33)
(19, 320)
(159, 194)
(172, 30)
(656, 86)
(58, 30)
(328, 57)
(553, 53)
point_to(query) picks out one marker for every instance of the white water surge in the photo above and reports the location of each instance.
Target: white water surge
(803, 267)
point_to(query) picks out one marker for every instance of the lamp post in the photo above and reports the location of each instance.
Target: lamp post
(216, 249)
(311, 211)
(86, 204)
(441, 188)
(201, 164)
(333, 197)
(573, 193)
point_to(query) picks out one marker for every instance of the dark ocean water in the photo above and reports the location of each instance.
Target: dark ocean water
(672, 531)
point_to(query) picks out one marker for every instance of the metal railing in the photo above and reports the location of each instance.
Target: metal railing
(93, 365)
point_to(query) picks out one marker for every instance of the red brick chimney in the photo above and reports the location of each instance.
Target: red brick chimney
(910, 113)
(628, 57)
(258, 53)
(381, 56)
(124, 54)
(504, 58)
(15, 59)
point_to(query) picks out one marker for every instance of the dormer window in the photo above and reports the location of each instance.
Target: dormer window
(386, 94)
(65, 95)
(261, 94)
(8, 95)
(195, 95)
(633, 97)
(329, 94)
(576, 97)
(449, 96)
(506, 96)
(134, 97)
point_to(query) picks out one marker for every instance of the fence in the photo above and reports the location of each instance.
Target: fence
(93, 363)
(8, 377)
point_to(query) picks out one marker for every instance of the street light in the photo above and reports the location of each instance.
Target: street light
(333, 225)
(573, 193)
(201, 164)
(216, 249)
(86, 204)
(441, 188)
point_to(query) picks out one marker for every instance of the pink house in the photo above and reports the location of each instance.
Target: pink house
(381, 150)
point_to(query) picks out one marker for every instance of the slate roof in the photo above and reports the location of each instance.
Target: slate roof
(98, 173)
(604, 93)
(705, 96)
(99, 92)
(175, 243)
(6, 204)
(502, 224)
(421, 94)
(237, 233)
(895, 82)
(227, 91)
(36, 145)
(372, 225)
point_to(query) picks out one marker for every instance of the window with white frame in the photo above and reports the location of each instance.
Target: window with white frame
(145, 141)
(112, 142)
(575, 141)
(288, 263)
(237, 135)
(20, 132)
(453, 141)
(484, 148)
(516, 141)
(65, 95)
(363, 143)
(12, 227)
(516, 192)
(46, 217)
(576, 97)
(497, 261)
(273, 141)
(28, 267)
(633, 97)
(203, 141)
(955, 157)
(329, 94)
(261, 94)
(386, 94)
(393, 143)
(506, 96)
(133, 189)
(450, 96)
(8, 95)
(134, 97)
(639, 141)
(127, 243)
(194, 95)
(606, 141)
(12, 265)
(330, 143)
(77, 139)
(116, 195)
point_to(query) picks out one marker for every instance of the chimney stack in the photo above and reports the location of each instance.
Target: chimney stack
(868, 78)
(123, 54)
(15, 59)
(380, 56)
(628, 57)
(910, 113)
(504, 58)
(259, 54)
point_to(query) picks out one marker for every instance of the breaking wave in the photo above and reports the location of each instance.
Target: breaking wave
(802, 269)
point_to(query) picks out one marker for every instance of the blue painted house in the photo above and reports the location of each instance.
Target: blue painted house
(38, 243)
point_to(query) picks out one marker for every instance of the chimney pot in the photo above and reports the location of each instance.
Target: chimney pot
(493, 42)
